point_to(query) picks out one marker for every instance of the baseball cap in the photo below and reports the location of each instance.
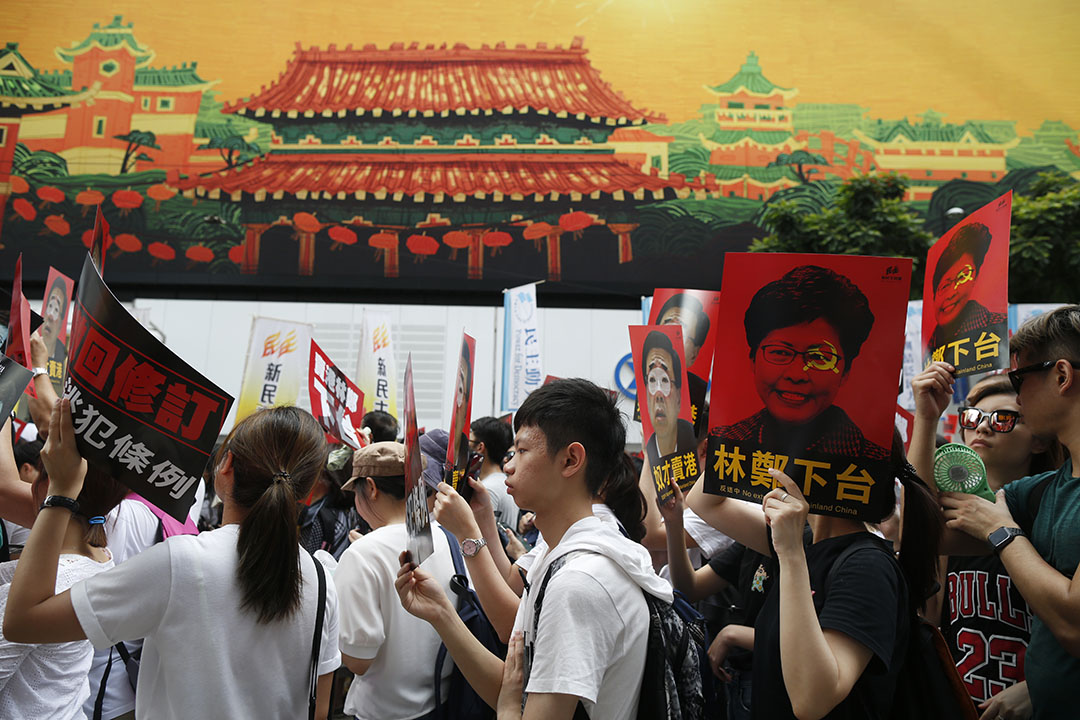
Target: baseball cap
(381, 459)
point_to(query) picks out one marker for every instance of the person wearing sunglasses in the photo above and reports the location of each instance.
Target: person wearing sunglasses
(1034, 527)
(956, 276)
(978, 598)
(804, 332)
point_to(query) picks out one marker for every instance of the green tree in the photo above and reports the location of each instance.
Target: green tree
(1044, 245)
(233, 149)
(867, 217)
(799, 159)
(135, 140)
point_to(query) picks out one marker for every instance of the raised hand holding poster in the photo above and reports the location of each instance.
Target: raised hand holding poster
(660, 370)
(965, 300)
(336, 402)
(140, 411)
(804, 376)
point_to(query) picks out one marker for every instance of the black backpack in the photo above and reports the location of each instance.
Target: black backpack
(462, 702)
(675, 660)
(928, 687)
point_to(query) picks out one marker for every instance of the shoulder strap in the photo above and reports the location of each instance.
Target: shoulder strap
(455, 551)
(99, 701)
(316, 641)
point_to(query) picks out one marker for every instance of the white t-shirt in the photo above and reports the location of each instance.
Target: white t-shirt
(374, 626)
(592, 635)
(600, 510)
(506, 510)
(46, 681)
(16, 534)
(203, 655)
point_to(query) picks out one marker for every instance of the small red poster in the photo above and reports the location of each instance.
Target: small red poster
(696, 312)
(670, 445)
(336, 402)
(417, 517)
(806, 350)
(457, 448)
(100, 241)
(18, 336)
(54, 310)
(965, 298)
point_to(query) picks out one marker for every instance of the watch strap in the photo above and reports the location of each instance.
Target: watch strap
(475, 545)
(40, 371)
(1000, 538)
(61, 502)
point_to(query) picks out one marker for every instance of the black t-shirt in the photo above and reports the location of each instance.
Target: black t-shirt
(986, 624)
(867, 601)
(751, 574)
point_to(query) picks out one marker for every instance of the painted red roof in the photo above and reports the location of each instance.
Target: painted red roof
(443, 80)
(461, 174)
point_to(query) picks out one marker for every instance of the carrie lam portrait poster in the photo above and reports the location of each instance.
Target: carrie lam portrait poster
(804, 379)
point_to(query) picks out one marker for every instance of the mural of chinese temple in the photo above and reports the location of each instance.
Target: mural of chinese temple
(411, 148)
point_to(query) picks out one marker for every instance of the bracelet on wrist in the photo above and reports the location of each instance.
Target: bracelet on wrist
(59, 501)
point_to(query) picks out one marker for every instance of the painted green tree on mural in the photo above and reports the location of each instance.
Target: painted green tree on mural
(136, 139)
(233, 149)
(867, 217)
(800, 159)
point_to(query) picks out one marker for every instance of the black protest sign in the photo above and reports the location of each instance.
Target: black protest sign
(417, 517)
(140, 412)
(13, 381)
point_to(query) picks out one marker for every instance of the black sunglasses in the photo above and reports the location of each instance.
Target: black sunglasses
(1001, 421)
(1016, 377)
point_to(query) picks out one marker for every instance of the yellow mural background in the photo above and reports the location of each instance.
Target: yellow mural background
(970, 59)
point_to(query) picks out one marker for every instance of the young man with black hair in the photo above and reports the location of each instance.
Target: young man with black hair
(492, 438)
(588, 644)
(383, 426)
(1034, 526)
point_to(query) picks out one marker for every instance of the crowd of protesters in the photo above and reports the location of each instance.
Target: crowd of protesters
(289, 592)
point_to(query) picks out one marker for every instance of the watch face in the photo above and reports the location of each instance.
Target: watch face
(469, 548)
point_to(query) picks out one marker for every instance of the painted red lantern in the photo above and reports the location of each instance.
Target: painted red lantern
(386, 248)
(128, 243)
(497, 240)
(383, 240)
(159, 193)
(58, 225)
(199, 254)
(341, 236)
(89, 198)
(421, 246)
(24, 209)
(576, 221)
(537, 232)
(161, 251)
(127, 200)
(236, 254)
(456, 240)
(622, 231)
(18, 185)
(306, 222)
(49, 194)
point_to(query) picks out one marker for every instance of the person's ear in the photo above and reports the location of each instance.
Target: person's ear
(1065, 374)
(371, 490)
(574, 459)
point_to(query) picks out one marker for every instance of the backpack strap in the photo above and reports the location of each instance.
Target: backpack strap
(440, 655)
(100, 699)
(316, 641)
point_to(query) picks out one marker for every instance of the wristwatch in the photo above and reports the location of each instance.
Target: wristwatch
(40, 371)
(471, 546)
(1003, 536)
(61, 502)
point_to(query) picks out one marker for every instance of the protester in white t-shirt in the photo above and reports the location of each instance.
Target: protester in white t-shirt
(50, 681)
(591, 636)
(229, 615)
(391, 652)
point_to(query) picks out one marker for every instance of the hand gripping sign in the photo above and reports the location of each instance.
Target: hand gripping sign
(804, 379)
(141, 413)
(965, 297)
(336, 402)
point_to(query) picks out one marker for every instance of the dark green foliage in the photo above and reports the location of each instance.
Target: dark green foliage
(1044, 248)
(40, 165)
(799, 159)
(970, 196)
(234, 149)
(867, 217)
(135, 140)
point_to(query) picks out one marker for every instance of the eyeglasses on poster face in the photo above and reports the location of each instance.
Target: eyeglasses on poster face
(817, 357)
(966, 274)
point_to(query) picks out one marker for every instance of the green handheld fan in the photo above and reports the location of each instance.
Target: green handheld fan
(958, 468)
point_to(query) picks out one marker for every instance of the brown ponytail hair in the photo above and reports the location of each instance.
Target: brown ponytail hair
(277, 455)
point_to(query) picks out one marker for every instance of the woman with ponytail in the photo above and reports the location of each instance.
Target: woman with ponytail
(229, 616)
(39, 681)
(833, 631)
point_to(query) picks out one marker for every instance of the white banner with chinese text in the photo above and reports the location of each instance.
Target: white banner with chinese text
(376, 375)
(523, 367)
(276, 365)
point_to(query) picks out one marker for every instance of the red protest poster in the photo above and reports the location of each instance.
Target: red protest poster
(100, 241)
(965, 298)
(696, 312)
(54, 311)
(457, 449)
(336, 402)
(660, 371)
(18, 336)
(802, 378)
(141, 413)
(417, 518)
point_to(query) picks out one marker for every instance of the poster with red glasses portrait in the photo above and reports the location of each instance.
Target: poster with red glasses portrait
(696, 312)
(965, 318)
(803, 379)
